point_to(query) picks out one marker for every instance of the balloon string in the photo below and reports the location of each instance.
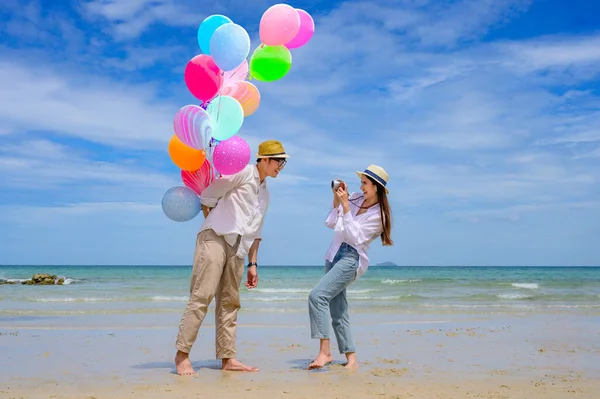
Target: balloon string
(219, 108)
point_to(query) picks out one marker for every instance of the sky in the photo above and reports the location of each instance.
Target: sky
(485, 113)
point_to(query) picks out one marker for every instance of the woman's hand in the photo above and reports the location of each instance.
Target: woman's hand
(342, 193)
(336, 200)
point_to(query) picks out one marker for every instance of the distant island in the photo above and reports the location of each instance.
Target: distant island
(386, 264)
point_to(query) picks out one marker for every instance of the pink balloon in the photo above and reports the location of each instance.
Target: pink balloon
(307, 28)
(238, 74)
(231, 155)
(200, 179)
(278, 25)
(203, 77)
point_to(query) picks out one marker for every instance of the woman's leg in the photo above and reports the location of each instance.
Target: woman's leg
(332, 284)
(342, 328)
(340, 318)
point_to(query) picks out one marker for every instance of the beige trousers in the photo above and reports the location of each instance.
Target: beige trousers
(217, 272)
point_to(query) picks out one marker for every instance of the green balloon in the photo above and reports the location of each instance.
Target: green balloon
(269, 63)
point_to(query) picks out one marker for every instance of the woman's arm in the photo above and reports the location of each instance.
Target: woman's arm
(357, 233)
(334, 212)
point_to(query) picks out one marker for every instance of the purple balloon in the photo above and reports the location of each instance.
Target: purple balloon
(231, 155)
(307, 29)
(193, 126)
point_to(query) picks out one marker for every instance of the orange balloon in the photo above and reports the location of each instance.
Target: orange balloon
(186, 158)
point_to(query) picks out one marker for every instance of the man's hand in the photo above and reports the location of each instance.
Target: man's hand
(206, 210)
(252, 278)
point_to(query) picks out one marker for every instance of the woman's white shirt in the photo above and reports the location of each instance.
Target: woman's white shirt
(356, 231)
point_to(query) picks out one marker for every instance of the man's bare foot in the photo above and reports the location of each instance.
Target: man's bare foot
(183, 364)
(351, 366)
(321, 360)
(236, 365)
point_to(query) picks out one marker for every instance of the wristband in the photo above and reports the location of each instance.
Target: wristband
(252, 264)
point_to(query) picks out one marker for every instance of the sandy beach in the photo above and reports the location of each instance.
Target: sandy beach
(549, 355)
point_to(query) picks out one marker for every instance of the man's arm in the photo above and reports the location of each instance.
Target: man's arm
(219, 187)
(252, 258)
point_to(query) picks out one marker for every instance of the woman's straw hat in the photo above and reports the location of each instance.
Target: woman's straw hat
(378, 174)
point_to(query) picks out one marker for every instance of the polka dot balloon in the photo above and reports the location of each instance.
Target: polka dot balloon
(231, 155)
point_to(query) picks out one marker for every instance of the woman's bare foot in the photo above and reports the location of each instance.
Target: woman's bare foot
(183, 364)
(236, 365)
(321, 360)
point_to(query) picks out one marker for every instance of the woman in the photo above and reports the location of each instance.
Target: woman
(357, 220)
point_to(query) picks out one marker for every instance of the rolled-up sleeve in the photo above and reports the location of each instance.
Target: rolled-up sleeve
(221, 186)
(356, 233)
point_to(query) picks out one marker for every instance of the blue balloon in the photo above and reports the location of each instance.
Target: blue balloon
(207, 29)
(181, 204)
(229, 46)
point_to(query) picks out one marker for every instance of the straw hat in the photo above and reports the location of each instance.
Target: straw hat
(271, 149)
(378, 174)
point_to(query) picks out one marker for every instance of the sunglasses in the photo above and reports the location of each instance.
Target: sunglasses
(280, 161)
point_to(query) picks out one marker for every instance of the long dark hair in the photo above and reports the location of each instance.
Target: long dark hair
(385, 212)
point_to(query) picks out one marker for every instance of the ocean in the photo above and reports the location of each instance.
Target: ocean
(151, 291)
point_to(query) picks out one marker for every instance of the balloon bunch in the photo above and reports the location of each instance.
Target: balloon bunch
(205, 144)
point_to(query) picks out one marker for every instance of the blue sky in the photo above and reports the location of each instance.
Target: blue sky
(486, 114)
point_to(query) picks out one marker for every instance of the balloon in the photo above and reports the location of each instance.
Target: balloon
(278, 25)
(185, 157)
(207, 29)
(227, 117)
(307, 28)
(203, 77)
(246, 93)
(231, 155)
(201, 178)
(237, 74)
(180, 204)
(193, 126)
(229, 46)
(269, 63)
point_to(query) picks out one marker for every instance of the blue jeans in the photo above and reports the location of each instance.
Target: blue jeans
(330, 295)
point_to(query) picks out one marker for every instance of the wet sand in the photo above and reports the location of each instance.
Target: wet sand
(549, 355)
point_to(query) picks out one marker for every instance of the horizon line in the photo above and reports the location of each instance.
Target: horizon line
(268, 265)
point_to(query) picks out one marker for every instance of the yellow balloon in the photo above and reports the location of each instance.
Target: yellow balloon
(246, 93)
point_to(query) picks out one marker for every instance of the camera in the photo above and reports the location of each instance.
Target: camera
(335, 184)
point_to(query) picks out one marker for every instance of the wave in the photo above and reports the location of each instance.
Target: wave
(515, 296)
(67, 280)
(390, 281)
(528, 286)
(75, 299)
(161, 298)
(282, 290)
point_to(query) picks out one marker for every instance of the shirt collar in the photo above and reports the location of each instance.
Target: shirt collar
(257, 176)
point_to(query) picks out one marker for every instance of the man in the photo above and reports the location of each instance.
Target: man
(234, 207)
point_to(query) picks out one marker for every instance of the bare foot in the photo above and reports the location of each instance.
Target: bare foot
(236, 365)
(183, 364)
(351, 366)
(321, 360)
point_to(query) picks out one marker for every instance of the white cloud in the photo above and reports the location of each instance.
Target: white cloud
(553, 52)
(129, 19)
(517, 212)
(42, 164)
(90, 107)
